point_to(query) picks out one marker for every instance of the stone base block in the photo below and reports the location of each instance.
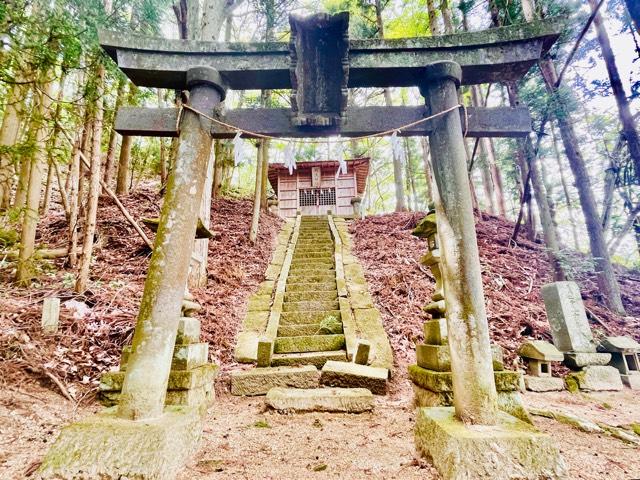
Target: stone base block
(433, 357)
(506, 380)
(510, 449)
(344, 374)
(110, 448)
(426, 398)
(178, 379)
(595, 378)
(348, 400)
(578, 360)
(632, 380)
(258, 381)
(543, 384)
(188, 331)
(246, 350)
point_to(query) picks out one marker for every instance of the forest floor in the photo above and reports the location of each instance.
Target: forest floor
(241, 439)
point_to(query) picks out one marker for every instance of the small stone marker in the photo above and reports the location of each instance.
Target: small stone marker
(567, 317)
(50, 315)
(265, 352)
(348, 400)
(362, 352)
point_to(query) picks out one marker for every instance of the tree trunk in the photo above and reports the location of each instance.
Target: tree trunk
(434, 27)
(565, 189)
(397, 162)
(123, 179)
(8, 137)
(447, 19)
(546, 219)
(26, 268)
(53, 146)
(424, 141)
(633, 6)
(94, 187)
(255, 220)
(46, 200)
(607, 281)
(624, 113)
(163, 150)
(264, 182)
(110, 163)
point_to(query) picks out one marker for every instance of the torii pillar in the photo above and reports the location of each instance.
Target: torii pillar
(475, 440)
(141, 438)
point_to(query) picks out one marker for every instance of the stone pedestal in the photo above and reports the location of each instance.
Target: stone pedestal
(191, 377)
(625, 356)
(111, 448)
(595, 378)
(508, 449)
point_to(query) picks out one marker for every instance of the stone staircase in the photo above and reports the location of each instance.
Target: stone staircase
(310, 328)
(317, 340)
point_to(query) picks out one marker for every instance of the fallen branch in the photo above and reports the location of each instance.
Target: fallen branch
(109, 192)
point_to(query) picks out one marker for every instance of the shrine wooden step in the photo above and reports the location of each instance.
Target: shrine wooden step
(309, 343)
(311, 286)
(305, 317)
(321, 295)
(310, 305)
(308, 358)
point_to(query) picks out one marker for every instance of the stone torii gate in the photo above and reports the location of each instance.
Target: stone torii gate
(318, 65)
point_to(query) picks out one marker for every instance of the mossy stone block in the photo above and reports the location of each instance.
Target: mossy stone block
(188, 331)
(352, 375)
(434, 357)
(259, 303)
(186, 357)
(154, 448)
(347, 400)
(507, 381)
(258, 381)
(309, 343)
(509, 449)
(435, 332)
(439, 382)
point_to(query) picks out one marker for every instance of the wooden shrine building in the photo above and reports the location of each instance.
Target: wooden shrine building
(315, 189)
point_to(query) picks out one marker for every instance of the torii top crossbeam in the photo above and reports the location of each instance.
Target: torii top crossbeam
(319, 65)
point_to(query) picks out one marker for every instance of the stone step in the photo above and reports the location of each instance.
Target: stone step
(347, 400)
(307, 329)
(347, 374)
(299, 263)
(306, 317)
(308, 358)
(258, 381)
(310, 276)
(310, 286)
(308, 343)
(324, 256)
(312, 267)
(311, 305)
(323, 295)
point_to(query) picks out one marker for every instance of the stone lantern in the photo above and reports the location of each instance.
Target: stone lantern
(539, 355)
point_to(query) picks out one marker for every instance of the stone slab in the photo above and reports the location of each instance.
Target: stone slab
(368, 323)
(348, 400)
(543, 384)
(567, 317)
(579, 360)
(361, 357)
(347, 374)
(318, 359)
(620, 344)
(258, 381)
(510, 449)
(595, 378)
(314, 306)
(110, 448)
(540, 350)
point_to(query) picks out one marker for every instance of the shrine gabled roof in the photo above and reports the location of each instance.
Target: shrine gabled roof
(359, 165)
